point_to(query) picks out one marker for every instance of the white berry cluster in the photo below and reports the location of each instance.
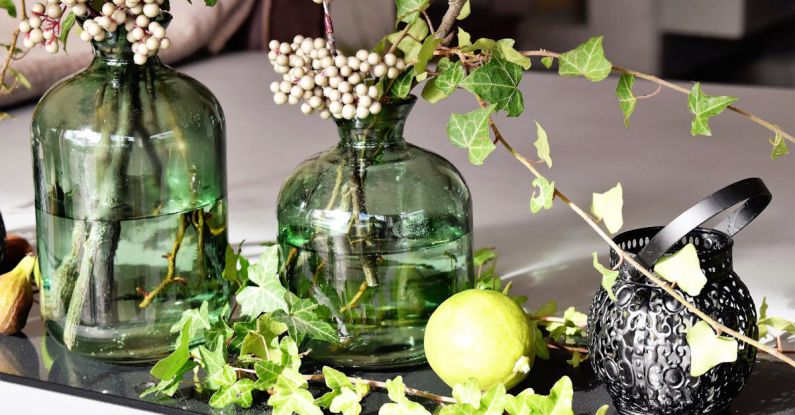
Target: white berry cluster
(146, 35)
(338, 86)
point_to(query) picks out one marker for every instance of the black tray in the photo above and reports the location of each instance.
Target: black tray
(35, 359)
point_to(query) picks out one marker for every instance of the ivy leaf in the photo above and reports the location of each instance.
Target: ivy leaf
(409, 45)
(779, 144)
(450, 75)
(465, 11)
(164, 387)
(464, 38)
(66, 27)
(766, 322)
(268, 295)
(707, 349)
(347, 402)
(408, 11)
(542, 145)
(609, 206)
(483, 44)
(471, 131)
(506, 51)
(239, 393)
(609, 276)
(213, 361)
(558, 402)
(264, 341)
(684, 269)
(704, 107)
(336, 379)
(497, 82)
(587, 60)
(493, 401)
(602, 410)
(299, 401)
(576, 359)
(267, 374)
(402, 86)
(307, 318)
(400, 404)
(425, 54)
(545, 195)
(626, 100)
(169, 367)
(547, 61)
(8, 6)
(200, 318)
(542, 351)
(468, 393)
(483, 256)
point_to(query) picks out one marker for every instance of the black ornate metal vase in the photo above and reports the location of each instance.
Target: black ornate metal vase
(638, 343)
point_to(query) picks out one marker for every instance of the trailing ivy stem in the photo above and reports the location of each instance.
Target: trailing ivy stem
(10, 57)
(555, 345)
(382, 385)
(720, 328)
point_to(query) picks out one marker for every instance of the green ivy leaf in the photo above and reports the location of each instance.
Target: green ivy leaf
(587, 60)
(505, 50)
(465, 11)
(493, 401)
(626, 100)
(200, 318)
(576, 359)
(547, 61)
(210, 3)
(268, 295)
(707, 349)
(464, 38)
(704, 107)
(409, 45)
(169, 367)
(267, 374)
(400, 404)
(213, 361)
(239, 393)
(602, 410)
(450, 75)
(347, 402)
(66, 27)
(483, 256)
(766, 322)
(471, 131)
(299, 401)
(468, 393)
(497, 82)
(542, 145)
(336, 379)
(609, 276)
(483, 44)
(558, 402)
(544, 197)
(307, 318)
(779, 144)
(542, 351)
(402, 86)
(408, 11)
(609, 207)
(425, 54)
(8, 6)
(684, 269)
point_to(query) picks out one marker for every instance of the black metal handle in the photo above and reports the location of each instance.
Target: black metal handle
(751, 191)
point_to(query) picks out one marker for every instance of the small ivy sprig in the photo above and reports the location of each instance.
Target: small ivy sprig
(258, 355)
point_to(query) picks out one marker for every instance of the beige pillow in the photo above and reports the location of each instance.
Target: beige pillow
(193, 28)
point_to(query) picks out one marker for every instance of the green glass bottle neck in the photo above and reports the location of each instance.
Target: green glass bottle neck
(115, 50)
(384, 129)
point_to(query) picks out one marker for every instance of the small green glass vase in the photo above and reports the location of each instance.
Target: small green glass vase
(129, 165)
(377, 230)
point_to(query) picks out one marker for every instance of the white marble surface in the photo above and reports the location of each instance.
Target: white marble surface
(662, 168)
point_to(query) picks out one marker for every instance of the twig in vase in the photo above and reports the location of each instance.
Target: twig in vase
(171, 257)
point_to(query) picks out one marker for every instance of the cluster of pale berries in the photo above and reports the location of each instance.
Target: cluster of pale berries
(136, 16)
(338, 86)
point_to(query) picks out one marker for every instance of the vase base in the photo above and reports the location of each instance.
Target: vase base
(722, 411)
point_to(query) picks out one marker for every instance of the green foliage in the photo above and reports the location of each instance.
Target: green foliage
(570, 330)
(587, 60)
(558, 402)
(547, 61)
(450, 75)
(171, 366)
(471, 131)
(403, 84)
(235, 268)
(779, 324)
(199, 319)
(238, 393)
(608, 276)
(626, 100)
(609, 207)
(400, 404)
(305, 317)
(465, 11)
(409, 44)
(345, 397)
(704, 107)
(464, 38)
(425, 54)
(708, 349)
(268, 294)
(19, 77)
(66, 27)
(8, 6)
(505, 50)
(544, 197)
(684, 269)
(408, 11)
(542, 145)
(779, 144)
(497, 82)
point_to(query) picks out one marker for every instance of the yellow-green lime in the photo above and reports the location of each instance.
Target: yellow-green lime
(480, 334)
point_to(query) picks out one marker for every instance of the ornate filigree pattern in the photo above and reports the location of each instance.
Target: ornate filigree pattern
(638, 344)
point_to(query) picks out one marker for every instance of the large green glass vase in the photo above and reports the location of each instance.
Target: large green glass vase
(377, 230)
(129, 164)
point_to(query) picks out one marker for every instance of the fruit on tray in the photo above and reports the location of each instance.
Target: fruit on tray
(16, 249)
(16, 296)
(480, 334)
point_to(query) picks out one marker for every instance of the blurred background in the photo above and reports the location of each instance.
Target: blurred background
(728, 41)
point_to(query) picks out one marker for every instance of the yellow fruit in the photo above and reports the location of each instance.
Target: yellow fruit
(480, 334)
(16, 296)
